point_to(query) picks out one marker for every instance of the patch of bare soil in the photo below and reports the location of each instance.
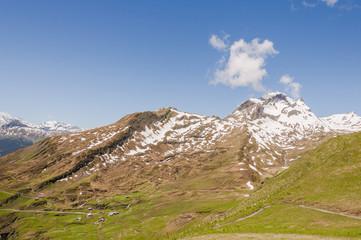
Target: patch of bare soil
(180, 221)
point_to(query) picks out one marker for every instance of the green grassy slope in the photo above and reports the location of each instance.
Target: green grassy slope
(328, 177)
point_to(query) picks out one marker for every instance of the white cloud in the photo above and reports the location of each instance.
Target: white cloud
(217, 42)
(245, 65)
(306, 4)
(286, 79)
(293, 87)
(330, 3)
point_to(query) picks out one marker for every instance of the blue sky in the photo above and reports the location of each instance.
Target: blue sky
(89, 63)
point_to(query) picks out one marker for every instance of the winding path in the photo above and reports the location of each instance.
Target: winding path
(260, 210)
(326, 211)
(243, 218)
(39, 211)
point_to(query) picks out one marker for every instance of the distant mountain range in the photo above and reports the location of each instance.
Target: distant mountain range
(16, 133)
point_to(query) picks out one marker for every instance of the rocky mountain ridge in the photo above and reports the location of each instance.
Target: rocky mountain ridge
(259, 139)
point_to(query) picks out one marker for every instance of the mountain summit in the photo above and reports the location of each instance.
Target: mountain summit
(260, 138)
(276, 119)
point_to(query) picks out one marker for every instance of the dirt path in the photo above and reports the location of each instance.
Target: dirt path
(243, 218)
(264, 236)
(98, 231)
(39, 211)
(326, 211)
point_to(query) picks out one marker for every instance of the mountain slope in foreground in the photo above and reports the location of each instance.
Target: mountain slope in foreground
(16, 133)
(163, 171)
(327, 178)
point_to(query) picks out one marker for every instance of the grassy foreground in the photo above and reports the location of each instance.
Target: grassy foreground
(328, 177)
(142, 215)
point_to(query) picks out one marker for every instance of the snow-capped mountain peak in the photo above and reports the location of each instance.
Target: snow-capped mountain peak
(19, 133)
(349, 122)
(277, 106)
(5, 118)
(55, 126)
(276, 119)
(9, 122)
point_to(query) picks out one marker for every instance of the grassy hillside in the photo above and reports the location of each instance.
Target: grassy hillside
(144, 213)
(328, 178)
(206, 205)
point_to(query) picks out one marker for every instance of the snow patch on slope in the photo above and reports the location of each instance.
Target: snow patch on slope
(251, 187)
